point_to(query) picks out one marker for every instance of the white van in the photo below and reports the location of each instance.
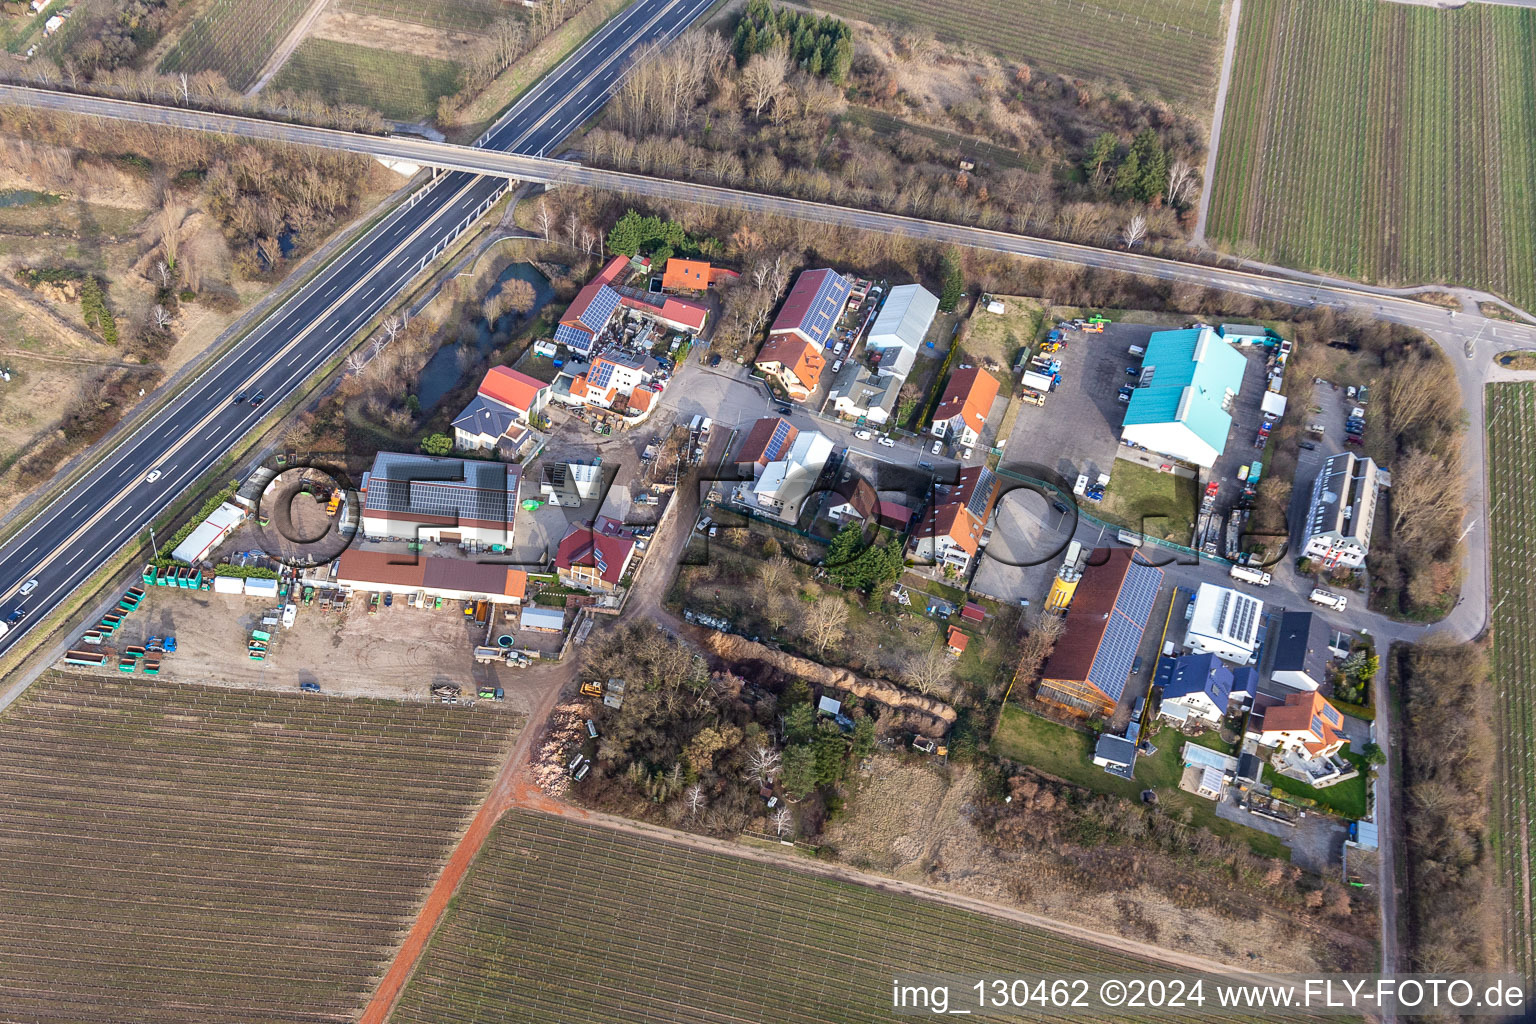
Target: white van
(1137, 351)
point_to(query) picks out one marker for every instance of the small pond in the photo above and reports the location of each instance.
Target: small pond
(446, 368)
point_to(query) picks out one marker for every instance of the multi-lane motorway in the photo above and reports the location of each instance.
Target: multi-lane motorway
(80, 530)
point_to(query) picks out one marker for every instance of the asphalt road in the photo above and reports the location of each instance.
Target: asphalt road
(65, 542)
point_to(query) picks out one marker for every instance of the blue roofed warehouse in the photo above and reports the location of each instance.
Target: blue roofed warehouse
(1189, 380)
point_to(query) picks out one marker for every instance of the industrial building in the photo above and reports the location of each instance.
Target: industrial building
(453, 579)
(569, 484)
(1183, 406)
(785, 464)
(1343, 511)
(449, 501)
(1087, 671)
(1225, 623)
(899, 330)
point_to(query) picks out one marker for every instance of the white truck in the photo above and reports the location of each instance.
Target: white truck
(1328, 599)
(1081, 485)
(1248, 574)
(1037, 381)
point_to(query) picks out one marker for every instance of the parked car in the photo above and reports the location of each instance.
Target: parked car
(1061, 506)
(886, 442)
(784, 410)
(1352, 440)
(965, 453)
(389, 599)
(1309, 446)
(310, 687)
(1124, 398)
(1133, 371)
(938, 446)
(863, 435)
(28, 587)
(1126, 389)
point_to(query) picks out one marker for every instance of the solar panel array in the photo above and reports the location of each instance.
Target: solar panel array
(600, 374)
(1122, 635)
(1245, 620)
(980, 494)
(821, 317)
(573, 338)
(600, 309)
(442, 487)
(781, 432)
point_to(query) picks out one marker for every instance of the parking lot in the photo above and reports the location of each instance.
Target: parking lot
(1335, 404)
(1078, 428)
(1028, 540)
(1246, 418)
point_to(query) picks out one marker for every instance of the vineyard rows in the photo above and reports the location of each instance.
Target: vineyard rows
(450, 15)
(196, 854)
(1383, 142)
(401, 86)
(234, 38)
(565, 921)
(1512, 493)
(1168, 47)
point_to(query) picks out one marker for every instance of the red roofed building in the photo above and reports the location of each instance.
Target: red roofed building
(588, 314)
(813, 307)
(957, 641)
(596, 556)
(693, 275)
(506, 402)
(794, 362)
(767, 441)
(454, 578)
(950, 531)
(1304, 722)
(1088, 669)
(962, 412)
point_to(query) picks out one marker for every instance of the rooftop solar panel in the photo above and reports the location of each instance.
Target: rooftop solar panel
(573, 338)
(980, 494)
(596, 315)
(600, 374)
(781, 432)
(442, 487)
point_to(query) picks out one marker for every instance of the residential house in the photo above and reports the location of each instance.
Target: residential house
(951, 530)
(1198, 688)
(1343, 511)
(962, 411)
(449, 501)
(682, 275)
(1116, 755)
(956, 641)
(1301, 653)
(794, 362)
(812, 308)
(1087, 671)
(506, 402)
(612, 380)
(1304, 722)
(859, 392)
(898, 331)
(1189, 380)
(856, 502)
(595, 556)
(1225, 622)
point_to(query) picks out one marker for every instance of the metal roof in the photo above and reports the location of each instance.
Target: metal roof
(905, 318)
(421, 485)
(1188, 375)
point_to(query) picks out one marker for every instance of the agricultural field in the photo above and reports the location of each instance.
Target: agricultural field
(1385, 142)
(401, 86)
(451, 15)
(560, 920)
(1512, 492)
(195, 854)
(234, 38)
(1171, 48)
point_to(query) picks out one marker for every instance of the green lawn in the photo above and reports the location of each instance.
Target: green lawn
(1160, 505)
(1347, 799)
(1068, 754)
(399, 86)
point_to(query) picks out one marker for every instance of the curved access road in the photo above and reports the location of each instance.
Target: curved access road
(66, 541)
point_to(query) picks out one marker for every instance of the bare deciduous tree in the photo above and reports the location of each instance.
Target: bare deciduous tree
(162, 317)
(783, 822)
(929, 670)
(826, 622)
(1135, 231)
(763, 78)
(695, 798)
(1182, 183)
(763, 763)
(775, 572)
(544, 216)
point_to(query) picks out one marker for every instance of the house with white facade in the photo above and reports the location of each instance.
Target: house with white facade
(1225, 622)
(1343, 511)
(784, 464)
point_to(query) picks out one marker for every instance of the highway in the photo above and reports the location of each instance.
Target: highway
(69, 539)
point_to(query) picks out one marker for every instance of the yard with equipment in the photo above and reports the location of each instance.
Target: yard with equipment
(1385, 142)
(191, 850)
(560, 920)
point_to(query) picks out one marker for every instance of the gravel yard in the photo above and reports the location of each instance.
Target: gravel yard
(397, 653)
